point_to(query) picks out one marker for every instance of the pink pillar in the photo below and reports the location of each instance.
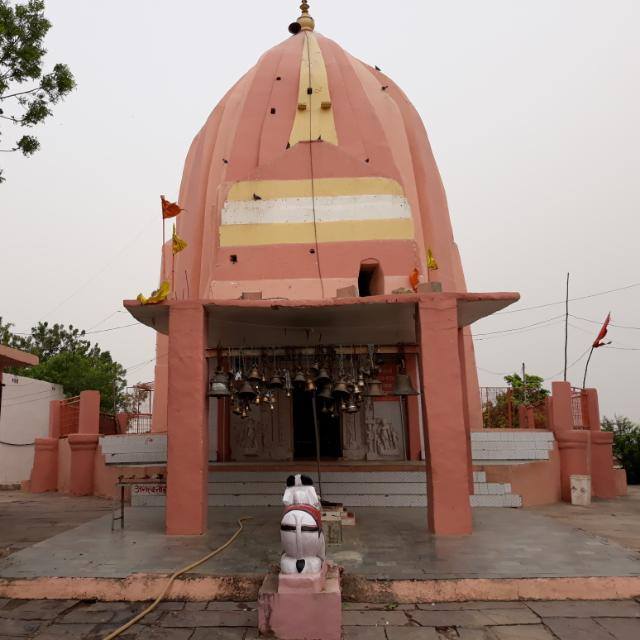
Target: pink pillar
(561, 416)
(188, 433)
(574, 458)
(446, 437)
(44, 474)
(413, 412)
(89, 419)
(465, 405)
(161, 382)
(603, 480)
(83, 451)
(55, 418)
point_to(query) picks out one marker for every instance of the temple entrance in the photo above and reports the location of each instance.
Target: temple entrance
(304, 446)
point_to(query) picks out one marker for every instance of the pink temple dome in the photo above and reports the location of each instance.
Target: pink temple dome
(289, 192)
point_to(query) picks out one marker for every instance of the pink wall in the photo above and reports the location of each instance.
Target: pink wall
(64, 465)
(537, 482)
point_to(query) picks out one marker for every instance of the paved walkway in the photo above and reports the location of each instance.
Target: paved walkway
(56, 620)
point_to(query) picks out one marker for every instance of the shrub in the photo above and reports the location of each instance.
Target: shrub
(626, 445)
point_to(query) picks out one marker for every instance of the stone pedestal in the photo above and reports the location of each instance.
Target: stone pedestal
(602, 472)
(83, 451)
(44, 474)
(574, 457)
(301, 607)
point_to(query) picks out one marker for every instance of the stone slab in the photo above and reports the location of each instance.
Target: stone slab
(577, 629)
(593, 609)
(209, 619)
(621, 628)
(412, 633)
(522, 632)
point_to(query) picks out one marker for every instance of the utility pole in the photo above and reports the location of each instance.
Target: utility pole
(524, 384)
(566, 330)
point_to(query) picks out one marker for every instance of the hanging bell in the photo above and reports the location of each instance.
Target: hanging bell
(247, 392)
(323, 377)
(361, 384)
(374, 389)
(403, 386)
(237, 409)
(299, 380)
(340, 390)
(325, 393)
(219, 385)
(254, 375)
(352, 407)
(276, 382)
(309, 384)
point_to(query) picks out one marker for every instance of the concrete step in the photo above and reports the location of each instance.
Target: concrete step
(357, 489)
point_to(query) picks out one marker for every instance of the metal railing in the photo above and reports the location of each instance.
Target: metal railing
(108, 425)
(69, 416)
(139, 423)
(500, 407)
(576, 408)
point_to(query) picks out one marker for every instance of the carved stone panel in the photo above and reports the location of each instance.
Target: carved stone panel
(264, 434)
(384, 431)
(354, 437)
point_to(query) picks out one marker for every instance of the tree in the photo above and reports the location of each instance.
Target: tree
(502, 411)
(68, 358)
(626, 444)
(26, 92)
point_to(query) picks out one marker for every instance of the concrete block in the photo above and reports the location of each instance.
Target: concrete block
(304, 615)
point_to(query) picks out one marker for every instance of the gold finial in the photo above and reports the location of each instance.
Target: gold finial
(305, 20)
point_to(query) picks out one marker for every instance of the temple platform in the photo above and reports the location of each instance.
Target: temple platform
(387, 557)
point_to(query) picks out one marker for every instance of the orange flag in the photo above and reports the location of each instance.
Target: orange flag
(169, 209)
(599, 341)
(414, 279)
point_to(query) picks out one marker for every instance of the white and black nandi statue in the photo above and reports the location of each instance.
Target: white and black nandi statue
(303, 548)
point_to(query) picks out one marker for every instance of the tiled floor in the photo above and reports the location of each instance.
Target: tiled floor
(54, 620)
(386, 543)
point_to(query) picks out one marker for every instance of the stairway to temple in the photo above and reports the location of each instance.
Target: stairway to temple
(351, 488)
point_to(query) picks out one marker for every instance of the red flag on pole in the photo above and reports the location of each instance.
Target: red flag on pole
(603, 333)
(169, 209)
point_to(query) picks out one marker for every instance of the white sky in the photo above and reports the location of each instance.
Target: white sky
(531, 106)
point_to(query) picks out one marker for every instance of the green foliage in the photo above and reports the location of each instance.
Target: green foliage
(26, 92)
(626, 445)
(68, 358)
(501, 412)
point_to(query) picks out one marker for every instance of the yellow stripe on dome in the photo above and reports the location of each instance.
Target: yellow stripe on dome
(313, 121)
(250, 235)
(323, 188)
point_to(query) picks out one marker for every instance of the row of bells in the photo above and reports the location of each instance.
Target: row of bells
(317, 379)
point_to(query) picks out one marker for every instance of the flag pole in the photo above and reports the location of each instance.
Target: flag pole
(566, 329)
(584, 380)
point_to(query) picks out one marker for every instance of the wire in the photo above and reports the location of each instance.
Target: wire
(624, 348)
(551, 304)
(313, 187)
(526, 326)
(600, 322)
(177, 574)
(124, 326)
(104, 320)
(17, 444)
(573, 364)
(519, 332)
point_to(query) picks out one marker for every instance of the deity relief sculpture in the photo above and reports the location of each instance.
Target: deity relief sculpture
(303, 545)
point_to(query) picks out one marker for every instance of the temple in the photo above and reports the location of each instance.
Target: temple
(320, 273)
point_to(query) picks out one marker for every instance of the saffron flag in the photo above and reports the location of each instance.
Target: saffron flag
(169, 209)
(432, 265)
(157, 296)
(603, 334)
(414, 279)
(177, 243)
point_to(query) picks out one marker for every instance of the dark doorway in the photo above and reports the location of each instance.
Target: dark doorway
(304, 444)
(370, 279)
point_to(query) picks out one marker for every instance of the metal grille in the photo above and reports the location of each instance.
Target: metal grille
(69, 416)
(576, 409)
(497, 407)
(139, 423)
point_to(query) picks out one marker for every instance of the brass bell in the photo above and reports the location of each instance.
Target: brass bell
(325, 393)
(310, 385)
(219, 385)
(374, 389)
(340, 390)
(254, 375)
(352, 407)
(323, 377)
(276, 382)
(299, 380)
(403, 386)
(361, 384)
(247, 392)
(237, 409)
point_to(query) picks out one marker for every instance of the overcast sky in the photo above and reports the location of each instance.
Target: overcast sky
(531, 106)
